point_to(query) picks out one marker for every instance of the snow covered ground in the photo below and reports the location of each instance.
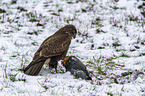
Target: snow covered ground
(110, 42)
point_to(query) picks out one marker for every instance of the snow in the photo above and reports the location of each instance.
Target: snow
(17, 47)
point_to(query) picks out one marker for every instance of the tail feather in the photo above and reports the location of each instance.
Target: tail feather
(34, 67)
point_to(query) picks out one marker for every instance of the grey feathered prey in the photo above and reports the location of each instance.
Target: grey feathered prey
(76, 67)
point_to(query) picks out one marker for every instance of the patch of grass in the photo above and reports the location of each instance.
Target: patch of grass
(132, 50)
(31, 15)
(100, 31)
(21, 9)
(8, 32)
(126, 77)
(92, 46)
(133, 18)
(35, 43)
(105, 44)
(101, 47)
(34, 20)
(102, 67)
(47, 83)
(124, 55)
(79, 88)
(2, 11)
(5, 75)
(143, 42)
(70, 2)
(85, 36)
(24, 61)
(14, 79)
(15, 54)
(13, 1)
(97, 69)
(33, 33)
(116, 44)
(116, 23)
(39, 24)
(55, 14)
(119, 50)
(142, 54)
(90, 62)
(143, 13)
(34, 16)
(109, 93)
(97, 22)
(100, 71)
(136, 46)
(3, 48)
(43, 85)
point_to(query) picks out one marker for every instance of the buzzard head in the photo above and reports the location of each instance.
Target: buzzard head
(69, 30)
(72, 30)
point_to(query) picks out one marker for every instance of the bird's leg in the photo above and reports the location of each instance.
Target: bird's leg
(56, 66)
(53, 64)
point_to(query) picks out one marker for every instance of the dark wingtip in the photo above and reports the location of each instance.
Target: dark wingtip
(31, 70)
(30, 73)
(34, 68)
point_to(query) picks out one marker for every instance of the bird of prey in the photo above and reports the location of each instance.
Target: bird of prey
(76, 67)
(53, 49)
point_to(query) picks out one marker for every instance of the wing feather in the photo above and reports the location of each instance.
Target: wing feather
(55, 45)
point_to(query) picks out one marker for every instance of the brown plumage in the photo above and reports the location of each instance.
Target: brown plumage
(53, 48)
